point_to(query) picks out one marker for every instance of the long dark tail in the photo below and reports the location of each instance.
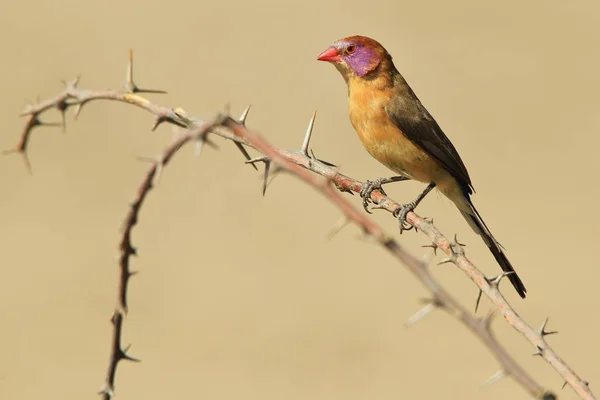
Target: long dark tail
(476, 222)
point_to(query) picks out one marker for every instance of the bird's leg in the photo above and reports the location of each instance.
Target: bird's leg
(369, 186)
(404, 209)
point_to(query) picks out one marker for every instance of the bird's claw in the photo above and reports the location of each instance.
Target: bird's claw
(401, 213)
(367, 188)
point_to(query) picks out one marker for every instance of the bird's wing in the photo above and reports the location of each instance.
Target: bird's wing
(421, 129)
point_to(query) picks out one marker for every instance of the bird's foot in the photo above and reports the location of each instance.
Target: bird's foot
(369, 187)
(401, 213)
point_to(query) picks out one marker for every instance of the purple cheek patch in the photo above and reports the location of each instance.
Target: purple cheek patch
(362, 61)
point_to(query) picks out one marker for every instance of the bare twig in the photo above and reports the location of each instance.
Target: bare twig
(117, 354)
(305, 166)
(127, 250)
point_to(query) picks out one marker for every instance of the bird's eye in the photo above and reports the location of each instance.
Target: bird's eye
(350, 49)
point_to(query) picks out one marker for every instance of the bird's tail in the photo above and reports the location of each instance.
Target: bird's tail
(476, 222)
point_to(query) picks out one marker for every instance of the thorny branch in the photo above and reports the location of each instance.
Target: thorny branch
(308, 168)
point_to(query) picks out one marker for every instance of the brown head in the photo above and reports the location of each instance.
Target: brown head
(357, 56)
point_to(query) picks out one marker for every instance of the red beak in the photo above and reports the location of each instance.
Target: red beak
(330, 55)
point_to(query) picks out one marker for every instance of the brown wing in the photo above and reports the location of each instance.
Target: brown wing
(419, 127)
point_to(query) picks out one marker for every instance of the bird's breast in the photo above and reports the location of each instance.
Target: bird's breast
(386, 142)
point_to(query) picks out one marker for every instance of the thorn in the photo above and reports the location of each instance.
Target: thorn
(419, 315)
(204, 139)
(199, 145)
(339, 225)
(268, 170)
(241, 148)
(130, 85)
(258, 159)
(431, 304)
(456, 247)
(27, 162)
(183, 116)
(126, 356)
(433, 246)
(543, 332)
(220, 119)
(49, 123)
(447, 260)
(157, 121)
(539, 352)
(494, 378)
(266, 176)
(130, 67)
(457, 242)
(344, 190)
(62, 108)
(495, 280)
(132, 250)
(586, 383)
(242, 119)
(157, 91)
(175, 133)
(64, 122)
(308, 134)
(72, 84)
(314, 157)
(23, 153)
(209, 142)
(78, 108)
(478, 300)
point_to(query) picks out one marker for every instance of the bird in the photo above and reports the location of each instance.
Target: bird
(398, 131)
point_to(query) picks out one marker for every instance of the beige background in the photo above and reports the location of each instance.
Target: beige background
(240, 296)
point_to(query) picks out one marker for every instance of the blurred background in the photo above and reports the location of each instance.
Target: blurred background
(241, 296)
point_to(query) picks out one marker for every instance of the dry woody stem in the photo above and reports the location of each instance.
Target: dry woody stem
(324, 178)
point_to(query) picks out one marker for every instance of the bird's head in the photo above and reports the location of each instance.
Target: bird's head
(355, 56)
